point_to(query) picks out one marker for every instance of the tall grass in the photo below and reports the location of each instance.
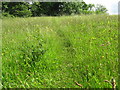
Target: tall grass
(0, 53)
(54, 52)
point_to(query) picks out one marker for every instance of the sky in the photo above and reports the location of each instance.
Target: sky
(111, 5)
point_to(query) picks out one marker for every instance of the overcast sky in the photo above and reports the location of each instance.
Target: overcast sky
(111, 5)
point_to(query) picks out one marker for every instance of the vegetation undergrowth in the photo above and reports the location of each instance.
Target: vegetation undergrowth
(54, 52)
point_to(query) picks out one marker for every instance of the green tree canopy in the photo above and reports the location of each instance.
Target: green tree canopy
(25, 9)
(20, 9)
(100, 9)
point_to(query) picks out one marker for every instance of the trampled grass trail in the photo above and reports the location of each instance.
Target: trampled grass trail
(54, 52)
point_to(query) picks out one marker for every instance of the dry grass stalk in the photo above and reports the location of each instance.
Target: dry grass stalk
(80, 85)
(113, 83)
(106, 81)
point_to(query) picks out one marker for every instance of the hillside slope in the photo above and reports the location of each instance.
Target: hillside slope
(54, 52)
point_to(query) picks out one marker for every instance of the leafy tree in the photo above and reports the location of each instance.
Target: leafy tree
(48, 8)
(74, 7)
(36, 9)
(100, 9)
(58, 8)
(91, 6)
(20, 9)
(24, 9)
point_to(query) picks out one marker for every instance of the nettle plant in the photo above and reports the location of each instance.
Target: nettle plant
(32, 53)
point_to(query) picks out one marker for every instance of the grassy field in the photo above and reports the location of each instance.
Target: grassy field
(54, 52)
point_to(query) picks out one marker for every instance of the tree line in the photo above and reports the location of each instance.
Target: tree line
(27, 9)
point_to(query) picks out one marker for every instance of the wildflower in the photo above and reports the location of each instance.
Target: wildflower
(102, 45)
(102, 56)
(2, 54)
(93, 38)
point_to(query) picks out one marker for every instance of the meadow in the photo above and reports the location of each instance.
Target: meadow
(56, 52)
